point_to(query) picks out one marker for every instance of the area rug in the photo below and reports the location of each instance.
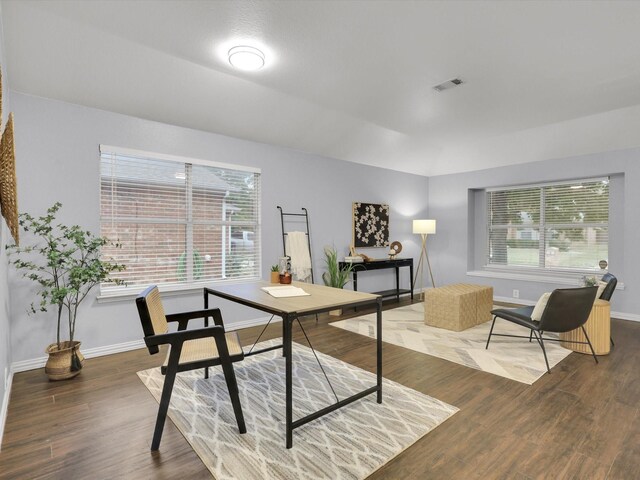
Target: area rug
(512, 358)
(349, 443)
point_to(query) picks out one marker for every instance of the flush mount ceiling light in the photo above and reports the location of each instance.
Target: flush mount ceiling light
(246, 58)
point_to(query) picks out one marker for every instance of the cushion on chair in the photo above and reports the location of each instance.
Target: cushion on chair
(601, 286)
(205, 349)
(538, 310)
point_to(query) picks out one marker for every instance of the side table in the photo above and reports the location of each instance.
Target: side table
(598, 328)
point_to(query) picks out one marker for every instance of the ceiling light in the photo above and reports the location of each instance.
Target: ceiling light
(246, 58)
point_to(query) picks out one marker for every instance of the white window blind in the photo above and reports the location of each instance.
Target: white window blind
(554, 226)
(179, 221)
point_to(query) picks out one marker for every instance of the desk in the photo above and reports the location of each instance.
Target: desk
(322, 299)
(380, 264)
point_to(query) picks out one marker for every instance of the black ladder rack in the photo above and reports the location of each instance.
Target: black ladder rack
(284, 243)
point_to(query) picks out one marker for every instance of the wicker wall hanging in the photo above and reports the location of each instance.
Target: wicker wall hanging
(8, 184)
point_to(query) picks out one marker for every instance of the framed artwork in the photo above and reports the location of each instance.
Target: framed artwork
(370, 224)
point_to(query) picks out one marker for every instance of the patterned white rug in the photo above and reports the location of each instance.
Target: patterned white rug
(350, 443)
(513, 358)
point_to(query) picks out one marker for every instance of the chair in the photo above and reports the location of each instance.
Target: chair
(607, 293)
(188, 350)
(566, 310)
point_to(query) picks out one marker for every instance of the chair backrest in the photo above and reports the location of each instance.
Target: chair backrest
(612, 282)
(568, 309)
(152, 316)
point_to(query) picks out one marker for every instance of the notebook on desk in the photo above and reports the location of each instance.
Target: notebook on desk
(285, 291)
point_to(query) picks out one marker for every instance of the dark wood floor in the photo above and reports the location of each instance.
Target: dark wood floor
(580, 422)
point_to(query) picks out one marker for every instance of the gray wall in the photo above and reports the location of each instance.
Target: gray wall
(5, 329)
(451, 199)
(57, 150)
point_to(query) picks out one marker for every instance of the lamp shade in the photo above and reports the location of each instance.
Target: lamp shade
(424, 226)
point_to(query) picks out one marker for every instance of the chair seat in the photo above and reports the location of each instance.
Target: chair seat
(520, 316)
(202, 349)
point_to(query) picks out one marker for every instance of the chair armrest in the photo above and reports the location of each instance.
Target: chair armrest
(184, 317)
(181, 336)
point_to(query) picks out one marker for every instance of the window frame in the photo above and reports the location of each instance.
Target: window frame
(190, 285)
(541, 269)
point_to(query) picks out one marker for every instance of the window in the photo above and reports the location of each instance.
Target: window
(553, 226)
(180, 221)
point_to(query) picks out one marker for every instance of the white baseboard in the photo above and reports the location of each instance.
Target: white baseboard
(33, 363)
(520, 301)
(5, 403)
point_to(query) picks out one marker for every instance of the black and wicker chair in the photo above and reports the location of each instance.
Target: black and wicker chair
(607, 293)
(188, 350)
(566, 310)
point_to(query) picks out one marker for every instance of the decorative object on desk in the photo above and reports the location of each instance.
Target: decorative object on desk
(284, 270)
(66, 265)
(404, 326)
(8, 182)
(396, 248)
(424, 228)
(370, 224)
(589, 281)
(285, 278)
(362, 256)
(603, 264)
(357, 446)
(356, 259)
(275, 274)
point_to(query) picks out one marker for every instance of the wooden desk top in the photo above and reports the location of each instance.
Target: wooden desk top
(321, 298)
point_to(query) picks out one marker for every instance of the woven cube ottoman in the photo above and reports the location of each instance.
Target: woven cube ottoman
(458, 307)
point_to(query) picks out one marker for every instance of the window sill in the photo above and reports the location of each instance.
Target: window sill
(558, 278)
(128, 294)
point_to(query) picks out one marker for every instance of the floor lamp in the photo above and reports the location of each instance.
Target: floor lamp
(424, 228)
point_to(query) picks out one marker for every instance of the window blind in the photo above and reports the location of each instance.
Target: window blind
(553, 226)
(179, 222)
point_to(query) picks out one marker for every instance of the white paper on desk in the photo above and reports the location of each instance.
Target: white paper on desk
(286, 291)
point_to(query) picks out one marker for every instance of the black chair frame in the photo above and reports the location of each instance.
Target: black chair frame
(522, 317)
(176, 340)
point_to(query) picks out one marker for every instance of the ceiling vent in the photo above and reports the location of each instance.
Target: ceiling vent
(448, 85)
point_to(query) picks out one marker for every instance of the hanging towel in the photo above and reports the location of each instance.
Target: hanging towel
(298, 250)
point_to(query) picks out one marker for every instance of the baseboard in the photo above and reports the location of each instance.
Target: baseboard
(618, 315)
(5, 403)
(39, 362)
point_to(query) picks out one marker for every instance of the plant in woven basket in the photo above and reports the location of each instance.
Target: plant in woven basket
(335, 276)
(65, 263)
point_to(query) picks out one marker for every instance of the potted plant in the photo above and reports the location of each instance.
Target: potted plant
(275, 274)
(65, 263)
(335, 276)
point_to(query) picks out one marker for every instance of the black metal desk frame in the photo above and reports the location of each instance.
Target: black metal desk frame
(287, 339)
(382, 264)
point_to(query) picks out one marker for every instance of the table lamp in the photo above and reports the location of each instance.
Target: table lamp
(424, 228)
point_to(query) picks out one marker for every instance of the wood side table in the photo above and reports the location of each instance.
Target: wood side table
(598, 328)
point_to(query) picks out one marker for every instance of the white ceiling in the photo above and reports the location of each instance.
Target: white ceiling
(347, 79)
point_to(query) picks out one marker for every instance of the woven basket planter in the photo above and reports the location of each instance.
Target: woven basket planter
(61, 364)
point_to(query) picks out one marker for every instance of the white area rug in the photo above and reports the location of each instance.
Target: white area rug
(350, 443)
(513, 358)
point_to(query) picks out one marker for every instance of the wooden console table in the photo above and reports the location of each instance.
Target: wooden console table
(598, 328)
(381, 264)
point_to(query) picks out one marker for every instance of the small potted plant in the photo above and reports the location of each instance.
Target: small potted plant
(65, 263)
(335, 276)
(275, 274)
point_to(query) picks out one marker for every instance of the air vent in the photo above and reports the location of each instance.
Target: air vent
(448, 85)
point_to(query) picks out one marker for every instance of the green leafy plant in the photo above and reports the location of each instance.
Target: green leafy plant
(335, 276)
(275, 268)
(65, 262)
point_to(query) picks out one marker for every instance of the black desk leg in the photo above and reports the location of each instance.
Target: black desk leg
(355, 280)
(411, 278)
(397, 284)
(288, 322)
(379, 346)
